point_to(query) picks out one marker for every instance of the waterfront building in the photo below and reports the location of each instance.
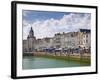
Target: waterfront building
(48, 42)
(85, 38)
(25, 45)
(71, 40)
(29, 44)
(57, 40)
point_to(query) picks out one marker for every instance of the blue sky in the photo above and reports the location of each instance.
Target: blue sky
(46, 24)
(31, 15)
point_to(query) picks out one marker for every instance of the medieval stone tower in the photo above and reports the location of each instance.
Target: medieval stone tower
(31, 40)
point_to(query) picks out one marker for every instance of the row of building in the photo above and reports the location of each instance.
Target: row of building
(81, 38)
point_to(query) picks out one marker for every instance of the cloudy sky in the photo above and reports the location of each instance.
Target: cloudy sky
(46, 24)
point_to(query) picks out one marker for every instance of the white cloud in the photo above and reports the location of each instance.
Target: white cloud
(48, 28)
(25, 13)
(26, 27)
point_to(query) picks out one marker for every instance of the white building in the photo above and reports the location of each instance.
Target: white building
(85, 38)
(80, 38)
(71, 40)
(57, 40)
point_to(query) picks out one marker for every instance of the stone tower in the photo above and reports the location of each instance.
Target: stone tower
(31, 40)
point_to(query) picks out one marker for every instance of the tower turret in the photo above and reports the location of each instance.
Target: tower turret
(31, 34)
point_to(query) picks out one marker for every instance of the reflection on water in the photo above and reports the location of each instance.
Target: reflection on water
(30, 62)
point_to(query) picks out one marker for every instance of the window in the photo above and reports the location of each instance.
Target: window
(86, 41)
(87, 35)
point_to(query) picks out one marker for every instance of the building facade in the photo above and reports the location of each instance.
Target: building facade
(81, 38)
(85, 38)
(29, 44)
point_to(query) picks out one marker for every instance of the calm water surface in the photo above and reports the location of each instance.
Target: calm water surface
(30, 62)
